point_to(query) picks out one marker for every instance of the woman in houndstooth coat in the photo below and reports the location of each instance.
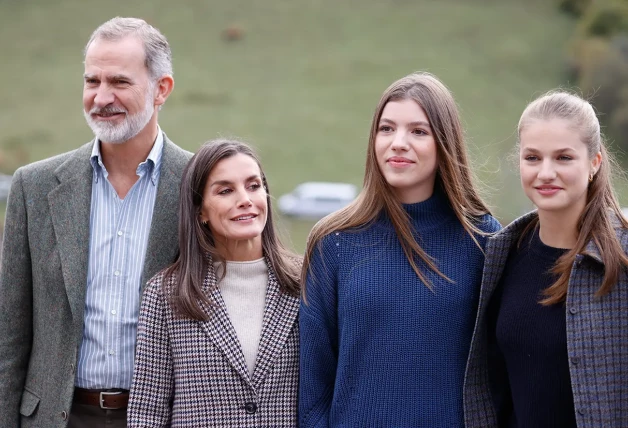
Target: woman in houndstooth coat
(218, 333)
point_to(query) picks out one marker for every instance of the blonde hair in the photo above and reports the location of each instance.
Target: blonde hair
(596, 221)
(454, 175)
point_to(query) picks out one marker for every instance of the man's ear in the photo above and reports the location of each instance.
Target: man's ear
(165, 85)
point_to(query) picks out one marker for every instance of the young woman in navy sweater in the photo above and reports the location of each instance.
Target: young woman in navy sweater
(550, 347)
(392, 280)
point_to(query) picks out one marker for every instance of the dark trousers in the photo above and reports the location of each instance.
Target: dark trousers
(86, 416)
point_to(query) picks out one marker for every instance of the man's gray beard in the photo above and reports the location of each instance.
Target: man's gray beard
(119, 133)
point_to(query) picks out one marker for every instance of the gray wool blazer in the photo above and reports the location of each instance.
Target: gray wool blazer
(597, 337)
(43, 278)
(191, 373)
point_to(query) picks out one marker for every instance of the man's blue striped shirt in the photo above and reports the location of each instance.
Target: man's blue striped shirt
(119, 231)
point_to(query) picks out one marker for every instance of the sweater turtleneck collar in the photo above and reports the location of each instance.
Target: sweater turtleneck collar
(431, 212)
(426, 214)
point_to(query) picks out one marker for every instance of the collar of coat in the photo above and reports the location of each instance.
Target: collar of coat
(280, 317)
(513, 231)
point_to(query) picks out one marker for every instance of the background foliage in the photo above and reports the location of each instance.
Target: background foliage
(598, 54)
(300, 79)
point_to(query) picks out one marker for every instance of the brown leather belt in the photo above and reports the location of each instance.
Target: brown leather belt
(108, 399)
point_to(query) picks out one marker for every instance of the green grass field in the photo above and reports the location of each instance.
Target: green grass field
(302, 82)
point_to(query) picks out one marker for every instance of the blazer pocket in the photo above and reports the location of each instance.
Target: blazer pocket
(29, 403)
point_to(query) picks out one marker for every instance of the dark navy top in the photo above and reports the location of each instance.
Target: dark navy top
(528, 360)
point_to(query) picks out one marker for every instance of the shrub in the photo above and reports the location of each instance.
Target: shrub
(618, 129)
(599, 60)
(574, 7)
(605, 18)
(602, 69)
(618, 123)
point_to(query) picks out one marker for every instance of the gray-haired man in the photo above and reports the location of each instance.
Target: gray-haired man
(84, 231)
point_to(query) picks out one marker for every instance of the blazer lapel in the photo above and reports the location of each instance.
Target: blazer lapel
(219, 327)
(69, 206)
(280, 315)
(496, 254)
(163, 236)
(497, 250)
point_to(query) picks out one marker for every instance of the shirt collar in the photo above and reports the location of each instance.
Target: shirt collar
(151, 164)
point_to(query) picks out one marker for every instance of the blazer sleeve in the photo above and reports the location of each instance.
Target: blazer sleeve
(318, 328)
(152, 390)
(16, 295)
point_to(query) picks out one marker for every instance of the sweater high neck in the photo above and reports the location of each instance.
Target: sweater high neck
(427, 214)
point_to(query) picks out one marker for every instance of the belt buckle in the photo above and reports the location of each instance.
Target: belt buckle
(102, 399)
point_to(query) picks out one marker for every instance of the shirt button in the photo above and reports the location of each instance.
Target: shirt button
(250, 408)
(581, 411)
(113, 312)
(64, 415)
(111, 352)
(575, 361)
(117, 273)
(119, 233)
(573, 310)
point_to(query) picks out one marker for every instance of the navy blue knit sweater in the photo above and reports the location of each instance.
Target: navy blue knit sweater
(378, 348)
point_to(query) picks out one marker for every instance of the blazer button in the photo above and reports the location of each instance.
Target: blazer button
(64, 415)
(250, 408)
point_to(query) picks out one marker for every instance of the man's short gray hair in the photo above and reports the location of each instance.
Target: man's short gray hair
(156, 48)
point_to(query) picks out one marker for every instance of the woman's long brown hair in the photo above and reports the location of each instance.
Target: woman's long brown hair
(454, 175)
(596, 222)
(196, 240)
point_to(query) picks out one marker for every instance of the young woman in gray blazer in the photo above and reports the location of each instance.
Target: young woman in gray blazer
(218, 334)
(550, 347)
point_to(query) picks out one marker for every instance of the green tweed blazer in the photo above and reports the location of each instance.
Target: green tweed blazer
(43, 278)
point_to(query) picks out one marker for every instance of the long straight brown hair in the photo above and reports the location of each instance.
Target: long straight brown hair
(596, 222)
(196, 240)
(454, 175)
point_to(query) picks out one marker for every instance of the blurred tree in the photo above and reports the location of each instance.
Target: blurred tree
(619, 124)
(603, 72)
(598, 61)
(574, 7)
(605, 18)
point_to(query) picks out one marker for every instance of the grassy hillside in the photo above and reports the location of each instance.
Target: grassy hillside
(302, 82)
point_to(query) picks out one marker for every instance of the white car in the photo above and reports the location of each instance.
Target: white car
(5, 185)
(314, 200)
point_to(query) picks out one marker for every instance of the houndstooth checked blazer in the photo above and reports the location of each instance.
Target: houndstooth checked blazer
(191, 373)
(597, 338)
